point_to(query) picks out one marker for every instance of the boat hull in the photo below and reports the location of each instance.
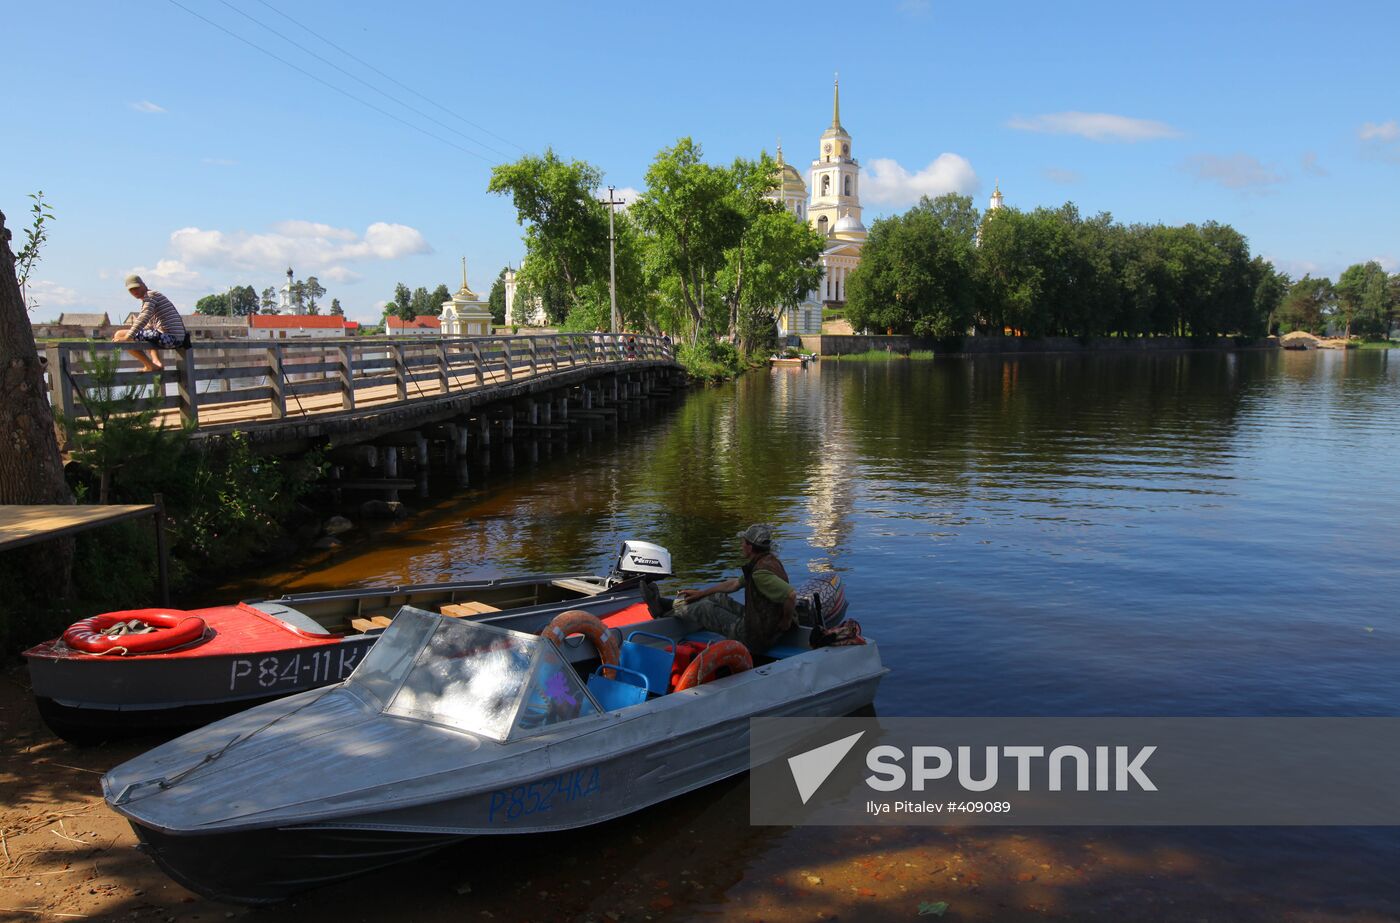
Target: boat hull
(569, 790)
(265, 866)
(86, 698)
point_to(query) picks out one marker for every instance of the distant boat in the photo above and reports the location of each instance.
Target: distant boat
(795, 361)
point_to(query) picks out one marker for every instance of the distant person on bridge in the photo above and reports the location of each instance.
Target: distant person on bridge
(769, 607)
(158, 324)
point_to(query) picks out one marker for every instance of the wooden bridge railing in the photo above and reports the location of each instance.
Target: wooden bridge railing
(227, 382)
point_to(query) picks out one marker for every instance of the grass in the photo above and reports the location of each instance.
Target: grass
(1381, 344)
(881, 355)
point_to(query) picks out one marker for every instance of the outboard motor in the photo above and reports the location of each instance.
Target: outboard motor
(640, 559)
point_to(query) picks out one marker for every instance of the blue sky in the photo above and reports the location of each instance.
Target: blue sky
(169, 146)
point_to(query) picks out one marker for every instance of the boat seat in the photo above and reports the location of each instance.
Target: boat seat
(704, 637)
(796, 640)
(621, 692)
(469, 608)
(371, 624)
(651, 661)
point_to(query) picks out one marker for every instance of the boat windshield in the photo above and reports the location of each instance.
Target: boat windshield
(470, 676)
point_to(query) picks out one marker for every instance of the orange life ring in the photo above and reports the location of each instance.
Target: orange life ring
(702, 669)
(172, 629)
(578, 622)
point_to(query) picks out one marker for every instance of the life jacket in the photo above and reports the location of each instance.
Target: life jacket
(765, 619)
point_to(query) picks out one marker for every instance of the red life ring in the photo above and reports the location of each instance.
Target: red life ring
(578, 622)
(721, 654)
(172, 629)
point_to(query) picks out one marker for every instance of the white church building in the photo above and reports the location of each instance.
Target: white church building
(832, 207)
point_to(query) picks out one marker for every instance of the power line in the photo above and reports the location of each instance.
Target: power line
(361, 80)
(392, 79)
(342, 92)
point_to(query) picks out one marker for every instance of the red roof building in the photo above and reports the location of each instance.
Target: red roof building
(289, 326)
(422, 325)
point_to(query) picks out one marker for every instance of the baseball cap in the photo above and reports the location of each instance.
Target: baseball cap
(134, 281)
(758, 535)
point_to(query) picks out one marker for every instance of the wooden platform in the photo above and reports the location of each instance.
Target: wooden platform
(25, 525)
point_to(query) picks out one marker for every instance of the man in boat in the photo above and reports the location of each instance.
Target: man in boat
(158, 325)
(769, 605)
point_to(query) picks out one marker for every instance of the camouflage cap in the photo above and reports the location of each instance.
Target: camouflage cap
(758, 535)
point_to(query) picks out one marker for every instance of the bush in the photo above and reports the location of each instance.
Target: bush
(710, 360)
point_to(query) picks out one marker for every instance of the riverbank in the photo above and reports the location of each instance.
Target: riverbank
(855, 344)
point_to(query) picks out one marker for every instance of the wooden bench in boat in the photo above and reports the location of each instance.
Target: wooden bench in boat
(461, 610)
(372, 623)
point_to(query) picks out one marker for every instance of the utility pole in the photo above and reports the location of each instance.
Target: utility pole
(611, 202)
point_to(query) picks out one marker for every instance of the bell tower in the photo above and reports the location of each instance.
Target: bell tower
(835, 174)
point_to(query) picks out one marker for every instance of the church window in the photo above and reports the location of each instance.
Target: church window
(848, 185)
(826, 185)
(821, 224)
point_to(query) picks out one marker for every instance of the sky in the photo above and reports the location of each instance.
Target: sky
(208, 143)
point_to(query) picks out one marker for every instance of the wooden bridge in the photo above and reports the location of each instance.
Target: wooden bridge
(288, 394)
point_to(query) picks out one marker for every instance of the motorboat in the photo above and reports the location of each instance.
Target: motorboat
(454, 728)
(166, 670)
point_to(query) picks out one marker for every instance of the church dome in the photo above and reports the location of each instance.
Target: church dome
(848, 224)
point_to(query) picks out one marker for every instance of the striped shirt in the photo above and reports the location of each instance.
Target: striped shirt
(159, 312)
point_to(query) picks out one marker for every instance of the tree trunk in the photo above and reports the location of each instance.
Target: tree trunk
(31, 468)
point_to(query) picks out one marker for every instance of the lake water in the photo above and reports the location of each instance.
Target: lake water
(1175, 534)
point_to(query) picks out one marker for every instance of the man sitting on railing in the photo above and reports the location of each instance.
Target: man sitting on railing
(158, 324)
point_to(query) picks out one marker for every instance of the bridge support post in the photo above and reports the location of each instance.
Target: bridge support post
(277, 382)
(400, 379)
(346, 374)
(390, 458)
(188, 387)
(485, 422)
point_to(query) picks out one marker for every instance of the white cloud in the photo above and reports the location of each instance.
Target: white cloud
(1379, 131)
(218, 162)
(1060, 175)
(147, 106)
(1096, 126)
(914, 7)
(48, 294)
(888, 183)
(172, 274)
(1310, 165)
(339, 274)
(1381, 140)
(297, 243)
(1238, 171)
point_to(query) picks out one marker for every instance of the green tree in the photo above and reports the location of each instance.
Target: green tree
(35, 236)
(566, 229)
(1364, 300)
(497, 298)
(916, 274)
(213, 305)
(312, 293)
(690, 217)
(440, 295)
(336, 309)
(1307, 305)
(402, 304)
(420, 303)
(775, 263)
(269, 300)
